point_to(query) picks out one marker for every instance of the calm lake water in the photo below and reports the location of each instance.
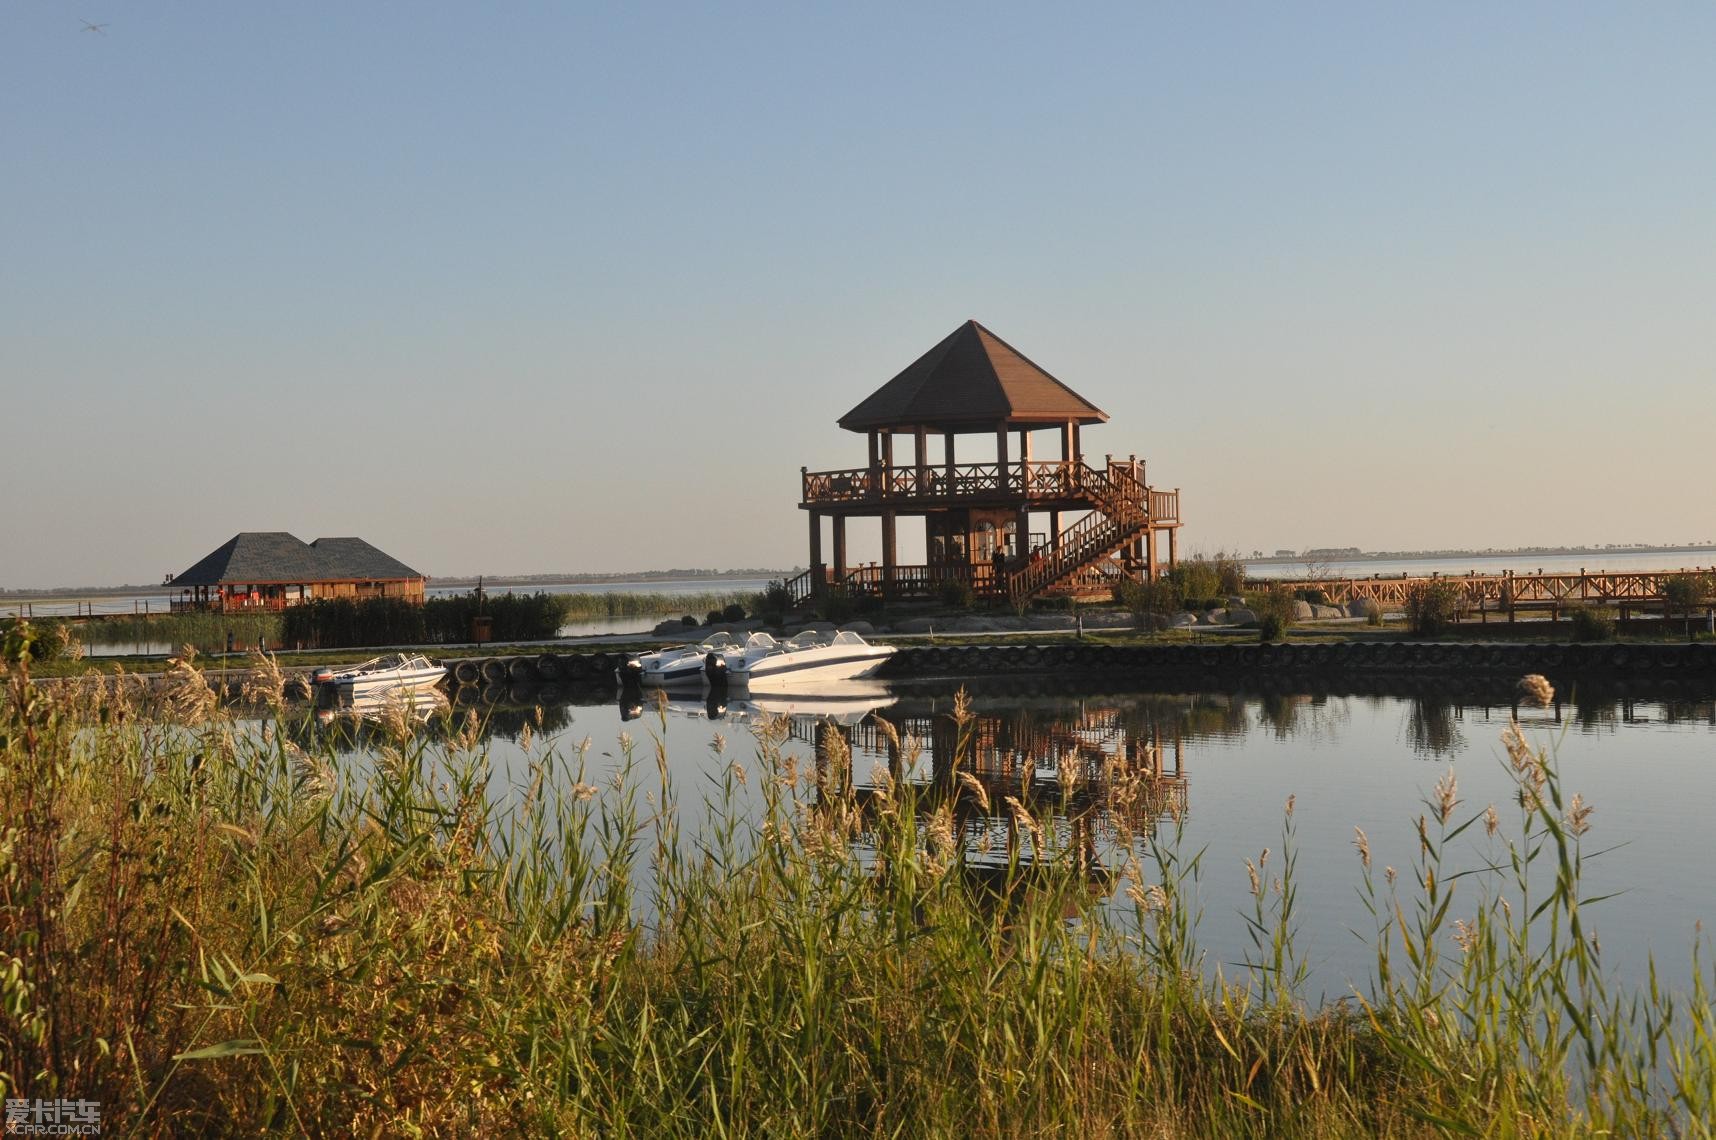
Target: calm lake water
(1228, 761)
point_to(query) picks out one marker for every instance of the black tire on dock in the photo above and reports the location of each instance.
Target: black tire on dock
(494, 670)
(548, 668)
(576, 666)
(467, 671)
(522, 669)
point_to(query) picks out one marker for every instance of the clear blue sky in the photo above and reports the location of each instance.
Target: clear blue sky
(571, 287)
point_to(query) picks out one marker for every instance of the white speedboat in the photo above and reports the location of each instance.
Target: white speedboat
(393, 672)
(811, 657)
(675, 665)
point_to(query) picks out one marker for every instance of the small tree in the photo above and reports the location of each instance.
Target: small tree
(1683, 593)
(1433, 607)
(1151, 603)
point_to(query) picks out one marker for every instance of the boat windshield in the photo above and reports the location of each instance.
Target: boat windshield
(808, 639)
(847, 637)
(760, 641)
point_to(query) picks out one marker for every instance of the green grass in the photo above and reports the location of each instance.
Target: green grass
(205, 631)
(593, 606)
(210, 928)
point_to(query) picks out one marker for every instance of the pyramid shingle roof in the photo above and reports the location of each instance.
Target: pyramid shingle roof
(971, 380)
(276, 556)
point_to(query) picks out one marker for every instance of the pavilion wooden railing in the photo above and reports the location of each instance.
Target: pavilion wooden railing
(1045, 480)
(1121, 516)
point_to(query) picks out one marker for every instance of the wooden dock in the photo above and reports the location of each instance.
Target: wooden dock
(1507, 594)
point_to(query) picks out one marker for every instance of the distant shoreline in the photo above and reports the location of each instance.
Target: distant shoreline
(1443, 555)
(714, 577)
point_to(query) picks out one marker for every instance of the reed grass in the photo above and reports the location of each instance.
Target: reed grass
(592, 606)
(208, 926)
(206, 632)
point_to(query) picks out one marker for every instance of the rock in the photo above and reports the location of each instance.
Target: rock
(1053, 621)
(1182, 620)
(1239, 615)
(1359, 607)
(972, 625)
(1324, 612)
(818, 626)
(672, 627)
(917, 625)
(861, 628)
(1301, 611)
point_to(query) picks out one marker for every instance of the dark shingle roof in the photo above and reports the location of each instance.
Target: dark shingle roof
(355, 558)
(971, 379)
(275, 556)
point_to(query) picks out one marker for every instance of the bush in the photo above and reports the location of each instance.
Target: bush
(713, 617)
(1590, 623)
(957, 592)
(1274, 609)
(1683, 593)
(1230, 573)
(1372, 610)
(835, 605)
(46, 639)
(773, 603)
(733, 611)
(1315, 597)
(1433, 607)
(1151, 603)
(687, 621)
(1195, 580)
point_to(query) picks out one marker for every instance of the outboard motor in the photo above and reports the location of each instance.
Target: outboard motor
(630, 672)
(715, 668)
(323, 676)
(714, 706)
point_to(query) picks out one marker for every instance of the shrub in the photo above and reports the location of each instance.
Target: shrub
(1315, 597)
(1151, 603)
(1230, 573)
(1372, 610)
(733, 611)
(687, 621)
(1195, 580)
(1274, 610)
(957, 592)
(713, 617)
(1591, 623)
(773, 603)
(835, 605)
(1432, 607)
(1683, 593)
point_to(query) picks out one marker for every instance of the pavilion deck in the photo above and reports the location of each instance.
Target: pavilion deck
(1044, 485)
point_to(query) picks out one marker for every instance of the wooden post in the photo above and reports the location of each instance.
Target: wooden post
(815, 548)
(920, 451)
(888, 557)
(1001, 455)
(1150, 554)
(1173, 555)
(1024, 463)
(947, 444)
(1055, 529)
(875, 448)
(887, 463)
(839, 548)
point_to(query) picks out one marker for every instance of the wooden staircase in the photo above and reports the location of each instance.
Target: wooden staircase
(1121, 515)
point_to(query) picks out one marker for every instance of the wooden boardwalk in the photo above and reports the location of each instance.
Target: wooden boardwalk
(1509, 592)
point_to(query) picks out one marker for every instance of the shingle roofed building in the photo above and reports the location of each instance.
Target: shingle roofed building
(274, 569)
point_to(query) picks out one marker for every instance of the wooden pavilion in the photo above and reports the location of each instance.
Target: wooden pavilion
(270, 570)
(1016, 525)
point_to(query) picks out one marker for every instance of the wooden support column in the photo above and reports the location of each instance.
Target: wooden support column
(1150, 554)
(815, 548)
(1066, 441)
(887, 463)
(889, 559)
(1055, 529)
(1001, 455)
(875, 448)
(839, 547)
(947, 446)
(1024, 461)
(1078, 448)
(1173, 555)
(920, 452)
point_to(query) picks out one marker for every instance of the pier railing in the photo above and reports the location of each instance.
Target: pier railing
(1504, 593)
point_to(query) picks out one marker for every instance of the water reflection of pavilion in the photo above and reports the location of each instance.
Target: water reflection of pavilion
(1093, 776)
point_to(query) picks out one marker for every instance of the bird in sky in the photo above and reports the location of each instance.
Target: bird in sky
(99, 29)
